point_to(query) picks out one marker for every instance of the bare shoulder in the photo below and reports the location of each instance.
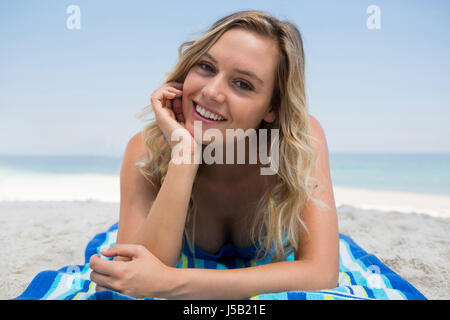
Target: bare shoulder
(321, 246)
(136, 147)
(318, 139)
(136, 192)
(131, 178)
(315, 127)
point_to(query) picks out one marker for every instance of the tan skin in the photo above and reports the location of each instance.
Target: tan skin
(244, 102)
(221, 219)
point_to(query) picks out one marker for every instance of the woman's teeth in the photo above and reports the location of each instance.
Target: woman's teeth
(207, 114)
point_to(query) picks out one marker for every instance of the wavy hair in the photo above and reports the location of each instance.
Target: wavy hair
(279, 211)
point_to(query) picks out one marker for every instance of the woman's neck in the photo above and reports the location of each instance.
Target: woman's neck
(227, 173)
(232, 165)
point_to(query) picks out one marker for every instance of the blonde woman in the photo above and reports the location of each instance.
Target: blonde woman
(246, 72)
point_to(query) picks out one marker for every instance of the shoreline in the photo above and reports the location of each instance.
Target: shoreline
(106, 188)
(385, 200)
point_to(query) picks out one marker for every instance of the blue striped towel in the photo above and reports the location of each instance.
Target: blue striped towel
(362, 276)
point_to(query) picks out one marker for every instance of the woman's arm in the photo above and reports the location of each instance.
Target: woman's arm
(322, 242)
(162, 230)
(153, 219)
(316, 266)
(136, 193)
(243, 283)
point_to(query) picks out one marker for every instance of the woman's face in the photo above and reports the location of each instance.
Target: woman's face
(233, 80)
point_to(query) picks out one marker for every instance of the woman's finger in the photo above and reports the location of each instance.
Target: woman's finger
(171, 94)
(177, 108)
(103, 266)
(173, 89)
(168, 96)
(124, 250)
(100, 288)
(159, 98)
(172, 101)
(101, 280)
(167, 104)
(178, 85)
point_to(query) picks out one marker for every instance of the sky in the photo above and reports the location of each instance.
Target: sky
(69, 91)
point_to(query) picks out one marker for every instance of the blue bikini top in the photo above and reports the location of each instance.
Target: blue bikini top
(226, 251)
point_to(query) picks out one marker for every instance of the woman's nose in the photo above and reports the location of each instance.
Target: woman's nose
(213, 91)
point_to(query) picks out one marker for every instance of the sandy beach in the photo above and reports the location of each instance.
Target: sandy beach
(47, 235)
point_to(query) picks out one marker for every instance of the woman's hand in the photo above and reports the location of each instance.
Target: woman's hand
(143, 276)
(167, 106)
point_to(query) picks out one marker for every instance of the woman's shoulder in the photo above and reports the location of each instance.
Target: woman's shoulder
(130, 175)
(316, 132)
(314, 125)
(136, 145)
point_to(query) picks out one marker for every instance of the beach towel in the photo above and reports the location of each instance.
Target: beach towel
(362, 276)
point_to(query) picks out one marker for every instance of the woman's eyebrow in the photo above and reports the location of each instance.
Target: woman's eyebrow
(248, 73)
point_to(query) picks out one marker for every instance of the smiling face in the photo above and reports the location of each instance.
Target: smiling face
(234, 81)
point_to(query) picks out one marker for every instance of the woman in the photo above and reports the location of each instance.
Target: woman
(248, 72)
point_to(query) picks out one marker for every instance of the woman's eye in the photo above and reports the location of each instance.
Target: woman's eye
(205, 67)
(245, 85)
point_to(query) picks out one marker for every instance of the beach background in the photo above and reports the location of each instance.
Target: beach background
(68, 99)
(395, 206)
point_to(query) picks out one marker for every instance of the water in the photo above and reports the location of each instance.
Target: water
(97, 177)
(420, 173)
(60, 164)
(62, 178)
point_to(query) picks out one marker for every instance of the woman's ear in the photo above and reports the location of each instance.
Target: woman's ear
(270, 115)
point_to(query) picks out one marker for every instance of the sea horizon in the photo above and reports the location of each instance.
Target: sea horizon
(427, 173)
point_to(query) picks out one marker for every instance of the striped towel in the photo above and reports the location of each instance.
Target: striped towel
(362, 276)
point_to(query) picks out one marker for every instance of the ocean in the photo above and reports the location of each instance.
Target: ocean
(70, 178)
(417, 173)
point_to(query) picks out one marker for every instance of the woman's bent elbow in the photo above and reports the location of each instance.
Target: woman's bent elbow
(332, 279)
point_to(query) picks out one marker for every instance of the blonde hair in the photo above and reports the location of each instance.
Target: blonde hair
(279, 211)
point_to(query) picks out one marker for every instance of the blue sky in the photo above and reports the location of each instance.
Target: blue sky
(65, 92)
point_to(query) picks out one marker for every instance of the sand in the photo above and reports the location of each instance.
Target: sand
(415, 246)
(38, 235)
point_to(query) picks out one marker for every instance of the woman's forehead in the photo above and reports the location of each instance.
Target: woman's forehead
(245, 51)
